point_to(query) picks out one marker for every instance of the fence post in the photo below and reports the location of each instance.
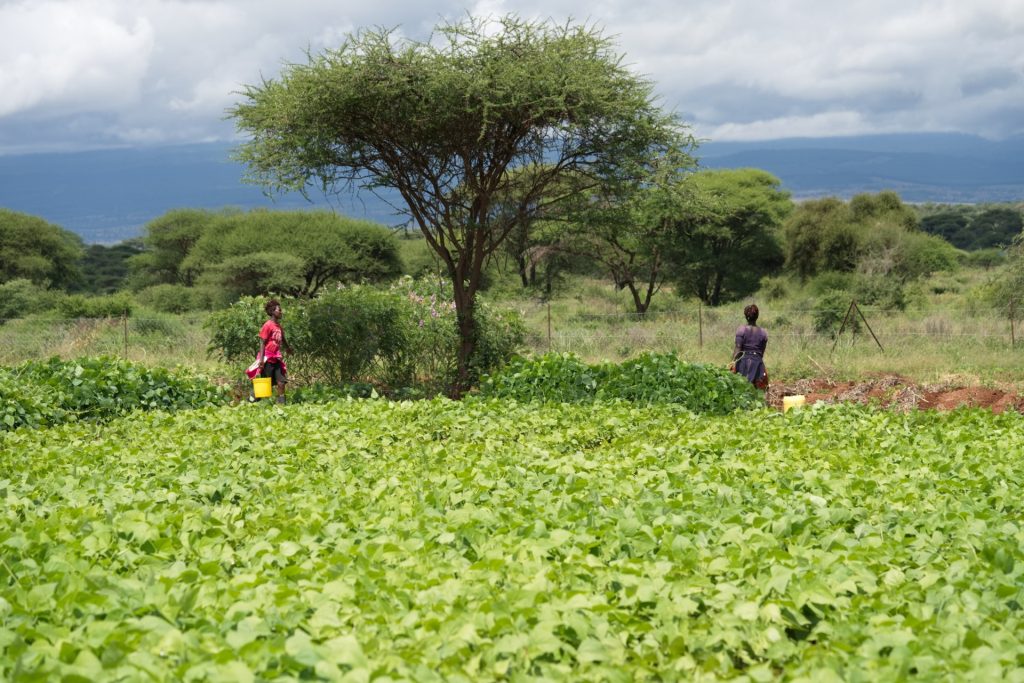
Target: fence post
(1013, 330)
(700, 325)
(549, 326)
(124, 323)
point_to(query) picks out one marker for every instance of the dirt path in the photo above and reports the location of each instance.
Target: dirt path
(899, 393)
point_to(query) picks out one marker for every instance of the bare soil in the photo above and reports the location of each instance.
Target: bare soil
(899, 393)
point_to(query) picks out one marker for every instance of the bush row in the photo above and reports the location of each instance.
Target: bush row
(50, 392)
(402, 340)
(651, 378)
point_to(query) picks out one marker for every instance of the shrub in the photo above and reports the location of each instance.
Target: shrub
(884, 292)
(108, 306)
(345, 332)
(432, 339)
(168, 298)
(829, 312)
(774, 288)
(22, 297)
(830, 281)
(403, 337)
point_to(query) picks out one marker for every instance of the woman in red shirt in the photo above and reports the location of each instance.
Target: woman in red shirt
(272, 342)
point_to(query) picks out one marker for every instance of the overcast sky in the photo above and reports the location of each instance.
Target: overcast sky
(93, 73)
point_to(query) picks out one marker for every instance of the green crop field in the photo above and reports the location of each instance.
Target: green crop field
(486, 540)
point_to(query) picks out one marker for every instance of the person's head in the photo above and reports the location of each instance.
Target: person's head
(271, 306)
(751, 313)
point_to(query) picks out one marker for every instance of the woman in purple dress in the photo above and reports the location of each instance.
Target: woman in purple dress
(748, 354)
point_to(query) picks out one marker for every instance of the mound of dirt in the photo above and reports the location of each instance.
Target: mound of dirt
(898, 393)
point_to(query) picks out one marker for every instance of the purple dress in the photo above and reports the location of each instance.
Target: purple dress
(751, 341)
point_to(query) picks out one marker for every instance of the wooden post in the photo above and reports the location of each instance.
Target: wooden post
(853, 302)
(1013, 328)
(549, 326)
(700, 325)
(868, 326)
(124, 322)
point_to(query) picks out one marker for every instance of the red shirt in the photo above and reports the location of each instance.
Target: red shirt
(273, 338)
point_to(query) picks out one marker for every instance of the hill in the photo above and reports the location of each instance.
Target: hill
(107, 196)
(943, 168)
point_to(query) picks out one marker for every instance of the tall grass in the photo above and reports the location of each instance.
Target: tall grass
(948, 335)
(940, 339)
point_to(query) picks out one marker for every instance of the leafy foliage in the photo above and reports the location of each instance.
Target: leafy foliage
(107, 306)
(232, 253)
(404, 337)
(21, 297)
(33, 249)
(495, 541)
(874, 235)
(167, 243)
(728, 238)
(168, 298)
(831, 309)
(105, 269)
(483, 112)
(648, 379)
(42, 393)
(292, 252)
(974, 228)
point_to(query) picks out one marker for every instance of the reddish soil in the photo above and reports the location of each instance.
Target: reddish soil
(899, 393)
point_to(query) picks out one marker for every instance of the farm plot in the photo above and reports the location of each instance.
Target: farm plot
(367, 540)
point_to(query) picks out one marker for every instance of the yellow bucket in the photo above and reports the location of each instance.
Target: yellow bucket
(792, 402)
(261, 387)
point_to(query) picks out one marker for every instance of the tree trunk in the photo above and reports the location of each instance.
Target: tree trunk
(465, 315)
(521, 262)
(716, 294)
(638, 303)
(465, 283)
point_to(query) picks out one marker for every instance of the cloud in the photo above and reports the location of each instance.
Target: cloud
(62, 56)
(95, 72)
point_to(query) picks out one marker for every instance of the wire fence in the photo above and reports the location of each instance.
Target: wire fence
(558, 326)
(698, 331)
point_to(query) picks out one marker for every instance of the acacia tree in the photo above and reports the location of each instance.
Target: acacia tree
(726, 240)
(626, 227)
(444, 122)
(292, 252)
(33, 249)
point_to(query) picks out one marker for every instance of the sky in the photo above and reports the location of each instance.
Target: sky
(87, 74)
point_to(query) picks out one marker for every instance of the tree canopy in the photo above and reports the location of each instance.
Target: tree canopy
(292, 252)
(234, 253)
(36, 250)
(974, 227)
(444, 121)
(727, 239)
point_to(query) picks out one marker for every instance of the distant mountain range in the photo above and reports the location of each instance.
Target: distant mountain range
(107, 196)
(943, 168)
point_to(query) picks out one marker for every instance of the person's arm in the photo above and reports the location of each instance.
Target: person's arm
(284, 342)
(261, 356)
(737, 349)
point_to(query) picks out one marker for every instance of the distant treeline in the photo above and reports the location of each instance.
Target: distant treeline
(973, 226)
(749, 237)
